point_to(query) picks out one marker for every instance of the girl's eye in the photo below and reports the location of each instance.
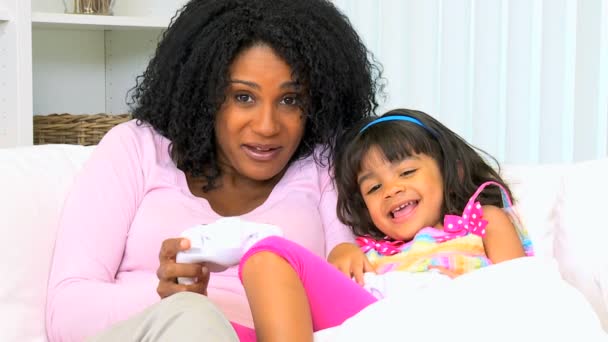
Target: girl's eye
(245, 98)
(373, 189)
(291, 100)
(408, 172)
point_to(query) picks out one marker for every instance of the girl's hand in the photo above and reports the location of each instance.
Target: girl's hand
(168, 270)
(350, 260)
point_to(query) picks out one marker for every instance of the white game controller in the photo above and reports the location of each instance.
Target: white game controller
(221, 244)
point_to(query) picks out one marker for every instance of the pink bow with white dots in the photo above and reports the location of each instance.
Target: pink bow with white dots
(471, 221)
(385, 246)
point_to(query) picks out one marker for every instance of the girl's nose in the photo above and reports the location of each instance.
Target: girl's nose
(393, 189)
(266, 121)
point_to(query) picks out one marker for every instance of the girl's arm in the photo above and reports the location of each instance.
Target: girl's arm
(501, 241)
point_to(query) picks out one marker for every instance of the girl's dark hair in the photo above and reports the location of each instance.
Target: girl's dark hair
(184, 84)
(463, 169)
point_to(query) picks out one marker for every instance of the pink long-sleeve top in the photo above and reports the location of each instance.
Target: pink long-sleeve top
(129, 197)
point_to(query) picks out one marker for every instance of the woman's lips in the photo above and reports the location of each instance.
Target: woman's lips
(261, 153)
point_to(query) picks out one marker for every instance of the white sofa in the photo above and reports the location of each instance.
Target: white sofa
(562, 206)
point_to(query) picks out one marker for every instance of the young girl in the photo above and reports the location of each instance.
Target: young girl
(417, 196)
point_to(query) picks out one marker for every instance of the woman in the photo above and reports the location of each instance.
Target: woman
(236, 115)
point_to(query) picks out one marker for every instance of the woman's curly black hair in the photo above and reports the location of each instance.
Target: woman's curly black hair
(184, 84)
(462, 165)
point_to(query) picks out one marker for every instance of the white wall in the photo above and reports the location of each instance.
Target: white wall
(526, 80)
(15, 59)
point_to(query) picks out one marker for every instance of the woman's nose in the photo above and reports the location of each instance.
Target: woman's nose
(266, 122)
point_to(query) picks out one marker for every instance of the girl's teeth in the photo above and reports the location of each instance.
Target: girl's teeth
(404, 209)
(402, 206)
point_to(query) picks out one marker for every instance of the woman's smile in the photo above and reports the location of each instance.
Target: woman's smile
(261, 153)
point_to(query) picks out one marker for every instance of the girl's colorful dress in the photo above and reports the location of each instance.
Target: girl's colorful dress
(457, 247)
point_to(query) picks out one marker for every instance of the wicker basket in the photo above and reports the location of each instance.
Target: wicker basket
(84, 129)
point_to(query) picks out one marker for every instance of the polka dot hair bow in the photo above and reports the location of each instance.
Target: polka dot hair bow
(471, 221)
(383, 247)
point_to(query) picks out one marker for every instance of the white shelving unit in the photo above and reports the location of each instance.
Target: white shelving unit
(53, 62)
(89, 22)
(4, 15)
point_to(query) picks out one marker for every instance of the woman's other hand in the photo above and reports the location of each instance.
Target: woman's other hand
(351, 261)
(168, 270)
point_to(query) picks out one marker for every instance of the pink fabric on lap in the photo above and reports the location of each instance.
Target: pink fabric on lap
(333, 297)
(244, 333)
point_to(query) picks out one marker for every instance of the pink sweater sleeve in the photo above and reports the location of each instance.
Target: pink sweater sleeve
(84, 295)
(335, 231)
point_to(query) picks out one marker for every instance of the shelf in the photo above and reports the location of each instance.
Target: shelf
(95, 22)
(4, 15)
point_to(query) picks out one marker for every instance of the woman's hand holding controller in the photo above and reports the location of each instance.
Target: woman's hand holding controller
(168, 270)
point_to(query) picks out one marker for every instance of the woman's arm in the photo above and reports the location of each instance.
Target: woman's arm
(341, 250)
(84, 295)
(501, 241)
(335, 232)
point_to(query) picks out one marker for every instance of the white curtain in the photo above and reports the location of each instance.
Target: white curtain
(525, 80)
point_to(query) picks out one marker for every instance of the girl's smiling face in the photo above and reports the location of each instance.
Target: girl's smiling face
(402, 197)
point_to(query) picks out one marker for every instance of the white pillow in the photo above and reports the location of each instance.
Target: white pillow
(34, 182)
(524, 299)
(581, 244)
(535, 188)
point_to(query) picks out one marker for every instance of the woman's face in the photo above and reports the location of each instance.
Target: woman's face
(260, 124)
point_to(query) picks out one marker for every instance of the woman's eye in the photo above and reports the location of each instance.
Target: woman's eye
(245, 98)
(290, 100)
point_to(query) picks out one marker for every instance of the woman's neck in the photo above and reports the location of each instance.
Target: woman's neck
(234, 194)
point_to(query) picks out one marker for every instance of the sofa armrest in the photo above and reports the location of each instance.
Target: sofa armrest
(34, 181)
(581, 241)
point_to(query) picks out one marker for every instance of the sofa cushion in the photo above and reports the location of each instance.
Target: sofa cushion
(582, 232)
(34, 182)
